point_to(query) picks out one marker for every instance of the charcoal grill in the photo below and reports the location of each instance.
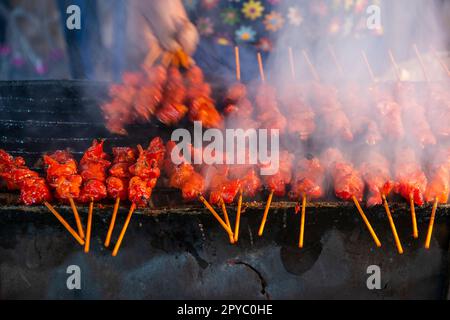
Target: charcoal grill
(177, 250)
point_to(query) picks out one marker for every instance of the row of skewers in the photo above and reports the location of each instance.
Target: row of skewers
(168, 95)
(162, 93)
(372, 114)
(132, 175)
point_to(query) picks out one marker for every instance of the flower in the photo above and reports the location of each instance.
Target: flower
(264, 44)
(209, 4)
(245, 34)
(230, 16)
(273, 21)
(294, 16)
(223, 40)
(252, 9)
(205, 26)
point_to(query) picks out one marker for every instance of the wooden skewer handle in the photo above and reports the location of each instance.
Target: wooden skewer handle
(64, 223)
(302, 222)
(392, 224)
(366, 221)
(112, 223)
(266, 212)
(238, 218)
(227, 220)
(89, 228)
(215, 214)
(124, 229)
(413, 217)
(431, 224)
(77, 218)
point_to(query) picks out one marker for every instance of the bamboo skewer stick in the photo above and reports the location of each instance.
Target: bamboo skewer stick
(291, 63)
(302, 222)
(227, 219)
(64, 223)
(89, 227)
(77, 218)
(215, 214)
(422, 64)
(261, 68)
(369, 68)
(266, 212)
(112, 223)
(339, 68)
(124, 229)
(238, 217)
(238, 63)
(366, 221)
(413, 217)
(392, 224)
(441, 62)
(395, 66)
(431, 224)
(311, 66)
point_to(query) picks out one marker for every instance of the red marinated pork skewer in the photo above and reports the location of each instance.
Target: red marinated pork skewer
(376, 174)
(145, 172)
(135, 99)
(184, 177)
(250, 185)
(296, 108)
(387, 111)
(410, 181)
(239, 112)
(333, 118)
(348, 183)
(276, 183)
(268, 114)
(62, 175)
(173, 109)
(93, 166)
(201, 105)
(307, 182)
(438, 187)
(150, 93)
(439, 109)
(117, 182)
(334, 121)
(357, 108)
(222, 189)
(33, 189)
(414, 115)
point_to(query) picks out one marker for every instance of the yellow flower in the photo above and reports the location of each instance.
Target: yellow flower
(252, 9)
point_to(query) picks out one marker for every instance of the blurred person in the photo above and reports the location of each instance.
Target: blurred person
(207, 29)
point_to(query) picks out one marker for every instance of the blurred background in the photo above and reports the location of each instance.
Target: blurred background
(35, 43)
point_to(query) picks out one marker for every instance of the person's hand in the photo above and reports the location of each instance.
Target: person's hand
(169, 24)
